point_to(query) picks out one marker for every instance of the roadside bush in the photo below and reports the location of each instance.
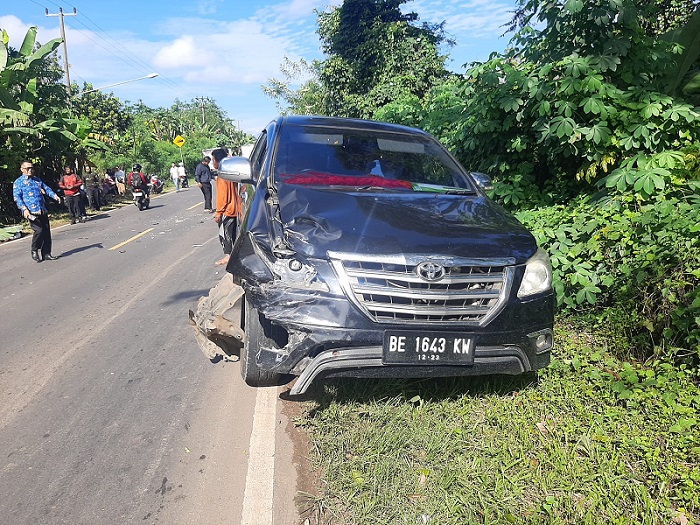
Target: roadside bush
(634, 248)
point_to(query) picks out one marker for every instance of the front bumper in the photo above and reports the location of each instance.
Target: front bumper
(324, 335)
(367, 362)
(327, 336)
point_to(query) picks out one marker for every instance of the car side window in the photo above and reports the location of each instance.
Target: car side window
(257, 157)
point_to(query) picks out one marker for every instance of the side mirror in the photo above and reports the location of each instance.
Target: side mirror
(482, 180)
(236, 169)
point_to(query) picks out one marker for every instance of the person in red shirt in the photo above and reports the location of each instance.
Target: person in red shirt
(70, 183)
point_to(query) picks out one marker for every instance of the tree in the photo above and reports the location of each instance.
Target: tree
(35, 122)
(308, 99)
(375, 54)
(23, 127)
(105, 112)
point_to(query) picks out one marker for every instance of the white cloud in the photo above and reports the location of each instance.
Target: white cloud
(16, 29)
(183, 52)
(243, 52)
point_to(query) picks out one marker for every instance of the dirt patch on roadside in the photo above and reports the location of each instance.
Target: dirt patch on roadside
(308, 490)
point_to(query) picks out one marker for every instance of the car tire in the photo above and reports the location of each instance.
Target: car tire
(251, 373)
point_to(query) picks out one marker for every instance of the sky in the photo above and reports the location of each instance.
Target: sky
(221, 49)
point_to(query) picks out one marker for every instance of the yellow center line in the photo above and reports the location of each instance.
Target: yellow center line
(132, 239)
(193, 207)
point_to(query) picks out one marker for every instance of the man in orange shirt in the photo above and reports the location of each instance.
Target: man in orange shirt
(229, 208)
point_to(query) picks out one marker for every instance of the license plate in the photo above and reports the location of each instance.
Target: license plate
(423, 348)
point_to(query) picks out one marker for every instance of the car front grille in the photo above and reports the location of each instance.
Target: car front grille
(391, 290)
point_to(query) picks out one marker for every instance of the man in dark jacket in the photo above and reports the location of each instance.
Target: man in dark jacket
(203, 177)
(92, 187)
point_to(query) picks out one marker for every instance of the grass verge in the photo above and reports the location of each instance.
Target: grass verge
(591, 439)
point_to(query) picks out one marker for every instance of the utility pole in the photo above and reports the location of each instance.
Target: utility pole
(60, 16)
(201, 100)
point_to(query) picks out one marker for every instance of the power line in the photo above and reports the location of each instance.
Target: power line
(135, 60)
(127, 57)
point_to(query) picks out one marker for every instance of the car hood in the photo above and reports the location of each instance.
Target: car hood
(317, 220)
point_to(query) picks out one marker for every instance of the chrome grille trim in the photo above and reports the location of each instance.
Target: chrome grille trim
(388, 290)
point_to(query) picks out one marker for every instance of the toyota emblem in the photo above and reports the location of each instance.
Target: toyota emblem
(430, 271)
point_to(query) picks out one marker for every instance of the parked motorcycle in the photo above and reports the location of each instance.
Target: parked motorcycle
(141, 198)
(156, 184)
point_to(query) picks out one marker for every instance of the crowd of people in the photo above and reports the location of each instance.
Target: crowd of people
(93, 190)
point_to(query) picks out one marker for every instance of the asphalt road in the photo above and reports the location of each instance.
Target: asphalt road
(109, 412)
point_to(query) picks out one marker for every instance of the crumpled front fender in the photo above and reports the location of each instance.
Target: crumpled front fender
(217, 320)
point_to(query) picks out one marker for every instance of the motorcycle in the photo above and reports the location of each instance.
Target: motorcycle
(156, 184)
(141, 198)
(183, 181)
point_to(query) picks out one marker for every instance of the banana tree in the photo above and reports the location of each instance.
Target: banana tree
(19, 80)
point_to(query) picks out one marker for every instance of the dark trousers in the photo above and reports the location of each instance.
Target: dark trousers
(74, 206)
(93, 195)
(41, 239)
(227, 233)
(206, 191)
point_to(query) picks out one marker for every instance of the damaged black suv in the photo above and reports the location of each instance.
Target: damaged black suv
(368, 251)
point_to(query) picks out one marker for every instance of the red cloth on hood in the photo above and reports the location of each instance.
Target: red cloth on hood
(326, 179)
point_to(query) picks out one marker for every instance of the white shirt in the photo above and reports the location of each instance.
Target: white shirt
(173, 172)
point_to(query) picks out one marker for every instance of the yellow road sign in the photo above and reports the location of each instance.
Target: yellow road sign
(179, 141)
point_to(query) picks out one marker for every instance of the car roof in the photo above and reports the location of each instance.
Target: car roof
(341, 122)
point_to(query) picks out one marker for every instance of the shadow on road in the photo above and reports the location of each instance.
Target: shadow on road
(187, 295)
(82, 249)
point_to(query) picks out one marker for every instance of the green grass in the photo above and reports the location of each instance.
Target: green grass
(591, 439)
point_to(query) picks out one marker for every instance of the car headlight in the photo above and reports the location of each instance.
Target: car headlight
(538, 275)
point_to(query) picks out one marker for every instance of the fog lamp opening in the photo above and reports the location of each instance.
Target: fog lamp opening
(542, 341)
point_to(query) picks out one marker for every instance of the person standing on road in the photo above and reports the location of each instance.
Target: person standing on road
(229, 208)
(119, 176)
(203, 177)
(70, 184)
(29, 192)
(92, 187)
(174, 176)
(182, 176)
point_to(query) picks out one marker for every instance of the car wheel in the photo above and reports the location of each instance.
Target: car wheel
(251, 373)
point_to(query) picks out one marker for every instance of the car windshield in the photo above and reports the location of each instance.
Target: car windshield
(369, 159)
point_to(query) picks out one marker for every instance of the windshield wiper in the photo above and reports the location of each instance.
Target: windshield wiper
(460, 191)
(364, 188)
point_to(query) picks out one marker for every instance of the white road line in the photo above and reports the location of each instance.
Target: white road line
(259, 485)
